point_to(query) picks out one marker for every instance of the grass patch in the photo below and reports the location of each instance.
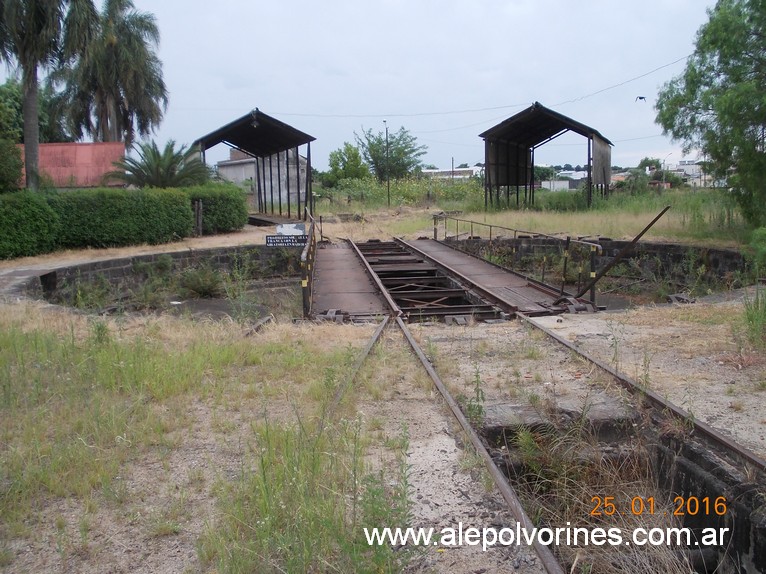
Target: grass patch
(74, 409)
(755, 318)
(82, 398)
(304, 505)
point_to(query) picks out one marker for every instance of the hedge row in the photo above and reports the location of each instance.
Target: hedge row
(28, 225)
(34, 223)
(224, 207)
(117, 217)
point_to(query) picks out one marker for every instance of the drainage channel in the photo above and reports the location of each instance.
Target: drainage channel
(420, 290)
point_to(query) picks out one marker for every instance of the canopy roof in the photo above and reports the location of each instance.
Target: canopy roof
(537, 125)
(256, 133)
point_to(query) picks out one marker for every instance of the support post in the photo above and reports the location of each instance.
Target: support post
(271, 183)
(279, 181)
(309, 191)
(298, 179)
(566, 259)
(258, 184)
(593, 274)
(287, 177)
(590, 171)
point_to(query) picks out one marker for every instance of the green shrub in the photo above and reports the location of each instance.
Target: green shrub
(410, 191)
(201, 283)
(561, 200)
(758, 244)
(29, 226)
(224, 207)
(115, 217)
(10, 166)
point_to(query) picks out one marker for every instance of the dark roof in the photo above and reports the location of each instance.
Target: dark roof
(536, 125)
(256, 133)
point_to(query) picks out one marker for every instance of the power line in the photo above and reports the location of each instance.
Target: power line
(410, 115)
(601, 91)
(475, 110)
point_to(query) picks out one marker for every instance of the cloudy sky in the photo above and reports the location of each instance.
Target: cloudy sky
(445, 70)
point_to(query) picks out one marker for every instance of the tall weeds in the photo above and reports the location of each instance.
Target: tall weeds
(755, 318)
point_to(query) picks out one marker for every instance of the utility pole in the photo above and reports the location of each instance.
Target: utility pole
(663, 169)
(388, 168)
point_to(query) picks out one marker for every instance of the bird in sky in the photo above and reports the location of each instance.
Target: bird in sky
(642, 98)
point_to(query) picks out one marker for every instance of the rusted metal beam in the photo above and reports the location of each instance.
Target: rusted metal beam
(620, 255)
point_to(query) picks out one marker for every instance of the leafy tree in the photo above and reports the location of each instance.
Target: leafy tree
(651, 162)
(670, 177)
(37, 34)
(345, 163)
(10, 165)
(397, 160)
(53, 121)
(11, 116)
(461, 166)
(544, 173)
(716, 105)
(636, 182)
(116, 89)
(163, 169)
(10, 155)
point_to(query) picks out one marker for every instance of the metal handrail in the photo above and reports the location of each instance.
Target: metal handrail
(437, 217)
(308, 256)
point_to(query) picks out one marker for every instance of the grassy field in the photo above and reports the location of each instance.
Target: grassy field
(703, 216)
(87, 405)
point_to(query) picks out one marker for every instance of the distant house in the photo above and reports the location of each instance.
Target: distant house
(691, 171)
(241, 169)
(456, 173)
(576, 175)
(558, 185)
(77, 164)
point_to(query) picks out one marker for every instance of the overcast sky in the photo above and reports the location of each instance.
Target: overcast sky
(445, 70)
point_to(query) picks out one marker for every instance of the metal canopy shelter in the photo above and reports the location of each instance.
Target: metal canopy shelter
(264, 137)
(509, 149)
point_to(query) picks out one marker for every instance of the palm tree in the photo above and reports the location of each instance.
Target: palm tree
(163, 169)
(116, 89)
(36, 34)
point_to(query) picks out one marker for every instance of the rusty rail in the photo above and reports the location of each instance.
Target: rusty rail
(549, 561)
(658, 402)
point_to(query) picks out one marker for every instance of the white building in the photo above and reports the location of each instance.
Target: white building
(457, 173)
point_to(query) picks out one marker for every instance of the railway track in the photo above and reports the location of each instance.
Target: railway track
(417, 288)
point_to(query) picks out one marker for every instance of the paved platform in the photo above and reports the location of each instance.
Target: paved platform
(341, 282)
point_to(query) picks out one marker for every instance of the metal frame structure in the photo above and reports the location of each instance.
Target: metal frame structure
(509, 150)
(262, 137)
